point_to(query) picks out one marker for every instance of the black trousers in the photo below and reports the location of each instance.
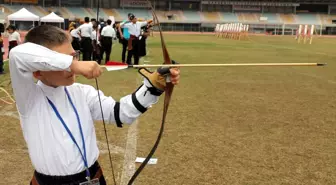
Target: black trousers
(87, 48)
(11, 45)
(106, 48)
(75, 179)
(124, 49)
(75, 43)
(142, 46)
(96, 52)
(133, 53)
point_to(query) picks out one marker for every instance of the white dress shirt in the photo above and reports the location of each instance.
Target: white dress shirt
(134, 29)
(85, 30)
(108, 31)
(15, 36)
(50, 147)
(94, 36)
(74, 33)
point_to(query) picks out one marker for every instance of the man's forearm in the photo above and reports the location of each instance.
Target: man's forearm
(31, 57)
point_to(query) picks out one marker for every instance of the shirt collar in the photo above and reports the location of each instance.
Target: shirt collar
(48, 90)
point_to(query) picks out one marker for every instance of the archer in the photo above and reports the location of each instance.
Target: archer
(57, 115)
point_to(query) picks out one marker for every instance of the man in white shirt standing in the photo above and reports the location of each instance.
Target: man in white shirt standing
(108, 33)
(14, 38)
(93, 21)
(134, 29)
(124, 36)
(57, 115)
(96, 44)
(75, 38)
(85, 31)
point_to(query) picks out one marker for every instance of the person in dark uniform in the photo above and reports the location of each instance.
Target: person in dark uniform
(14, 37)
(142, 40)
(124, 36)
(86, 42)
(107, 35)
(134, 28)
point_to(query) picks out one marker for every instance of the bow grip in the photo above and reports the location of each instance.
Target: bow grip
(165, 71)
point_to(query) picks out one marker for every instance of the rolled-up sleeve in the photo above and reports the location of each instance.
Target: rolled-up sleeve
(27, 58)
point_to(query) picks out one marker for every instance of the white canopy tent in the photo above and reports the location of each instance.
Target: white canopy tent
(52, 18)
(23, 15)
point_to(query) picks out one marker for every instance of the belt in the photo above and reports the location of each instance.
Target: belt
(13, 42)
(45, 179)
(133, 36)
(130, 41)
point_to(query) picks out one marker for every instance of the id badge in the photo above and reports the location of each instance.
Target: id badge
(91, 182)
(2, 50)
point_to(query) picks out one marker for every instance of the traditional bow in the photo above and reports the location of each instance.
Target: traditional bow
(168, 92)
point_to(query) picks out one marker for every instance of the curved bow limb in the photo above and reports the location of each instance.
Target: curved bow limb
(168, 93)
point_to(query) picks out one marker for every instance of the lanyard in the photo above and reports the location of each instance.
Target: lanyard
(69, 132)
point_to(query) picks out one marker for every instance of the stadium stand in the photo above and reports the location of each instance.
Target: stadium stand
(79, 13)
(93, 13)
(210, 16)
(162, 15)
(63, 11)
(113, 12)
(326, 19)
(192, 16)
(42, 11)
(272, 18)
(228, 17)
(287, 18)
(248, 17)
(307, 19)
(178, 16)
(140, 13)
(277, 18)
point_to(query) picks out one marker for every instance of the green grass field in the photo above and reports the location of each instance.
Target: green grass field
(229, 125)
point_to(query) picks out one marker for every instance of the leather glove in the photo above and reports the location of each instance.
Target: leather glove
(157, 78)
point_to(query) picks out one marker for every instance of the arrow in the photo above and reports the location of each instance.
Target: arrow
(114, 66)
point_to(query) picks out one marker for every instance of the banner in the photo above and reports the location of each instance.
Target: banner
(134, 3)
(22, 1)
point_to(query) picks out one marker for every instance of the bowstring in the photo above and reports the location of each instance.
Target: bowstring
(101, 107)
